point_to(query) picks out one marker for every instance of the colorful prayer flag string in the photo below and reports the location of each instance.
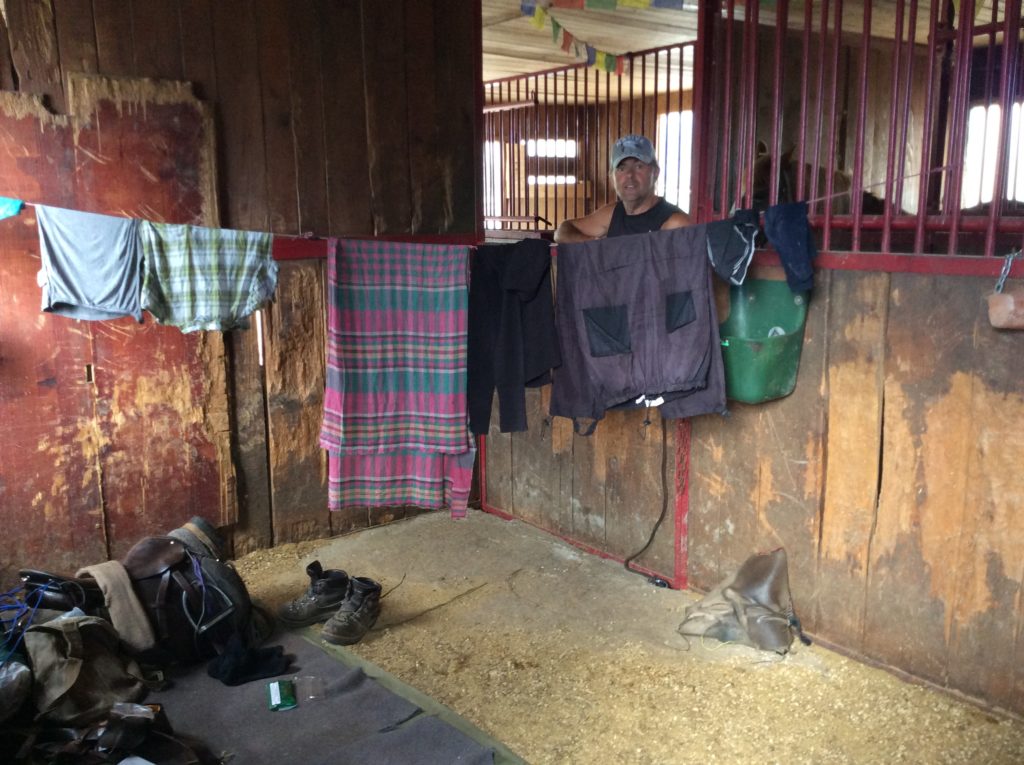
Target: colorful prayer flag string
(538, 12)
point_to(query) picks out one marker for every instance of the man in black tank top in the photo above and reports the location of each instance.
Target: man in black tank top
(634, 173)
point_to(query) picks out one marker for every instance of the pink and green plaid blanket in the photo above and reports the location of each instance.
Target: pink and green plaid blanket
(394, 420)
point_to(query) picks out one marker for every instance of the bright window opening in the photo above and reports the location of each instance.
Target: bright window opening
(675, 138)
(980, 156)
(551, 147)
(492, 183)
(550, 180)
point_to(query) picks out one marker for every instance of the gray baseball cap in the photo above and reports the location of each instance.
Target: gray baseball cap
(635, 146)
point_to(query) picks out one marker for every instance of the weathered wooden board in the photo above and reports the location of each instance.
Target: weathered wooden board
(858, 309)
(157, 469)
(426, 126)
(457, 74)
(244, 183)
(197, 58)
(138, 441)
(35, 51)
(945, 557)
(387, 116)
(6, 62)
(498, 469)
(541, 473)
(157, 387)
(115, 46)
(723, 485)
(243, 170)
(797, 446)
(348, 174)
(50, 496)
(276, 96)
(307, 99)
(986, 606)
(756, 475)
(157, 28)
(295, 390)
(143, 149)
(638, 489)
(589, 475)
(76, 36)
(603, 491)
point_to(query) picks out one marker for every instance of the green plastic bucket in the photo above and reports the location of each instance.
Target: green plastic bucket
(762, 339)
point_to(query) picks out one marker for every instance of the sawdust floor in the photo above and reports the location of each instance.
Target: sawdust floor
(568, 658)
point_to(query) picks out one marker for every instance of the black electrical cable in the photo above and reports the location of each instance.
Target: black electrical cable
(664, 511)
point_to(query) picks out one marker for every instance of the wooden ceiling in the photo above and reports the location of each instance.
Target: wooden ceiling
(513, 45)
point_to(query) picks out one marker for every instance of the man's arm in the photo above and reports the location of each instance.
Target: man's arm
(675, 220)
(593, 226)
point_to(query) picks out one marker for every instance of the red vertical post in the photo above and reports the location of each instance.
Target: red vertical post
(816, 161)
(682, 503)
(701, 166)
(781, 21)
(726, 146)
(753, 68)
(536, 164)
(595, 151)
(511, 185)
(576, 139)
(632, 77)
(901, 139)
(891, 149)
(830, 163)
(958, 127)
(618, 98)
(856, 196)
(610, 196)
(657, 99)
(804, 72)
(988, 89)
(926, 130)
(679, 110)
(745, 137)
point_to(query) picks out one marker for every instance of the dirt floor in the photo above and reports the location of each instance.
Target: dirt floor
(568, 658)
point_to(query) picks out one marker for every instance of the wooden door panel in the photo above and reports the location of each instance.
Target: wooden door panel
(111, 430)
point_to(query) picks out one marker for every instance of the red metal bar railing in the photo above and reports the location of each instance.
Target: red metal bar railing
(882, 172)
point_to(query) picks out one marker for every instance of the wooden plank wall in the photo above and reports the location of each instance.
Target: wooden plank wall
(604, 492)
(111, 430)
(892, 478)
(331, 119)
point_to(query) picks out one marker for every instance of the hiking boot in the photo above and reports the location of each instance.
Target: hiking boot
(358, 612)
(327, 590)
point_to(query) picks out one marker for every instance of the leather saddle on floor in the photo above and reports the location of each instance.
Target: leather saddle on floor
(752, 607)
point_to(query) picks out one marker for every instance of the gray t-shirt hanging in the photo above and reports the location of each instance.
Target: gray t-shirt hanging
(91, 264)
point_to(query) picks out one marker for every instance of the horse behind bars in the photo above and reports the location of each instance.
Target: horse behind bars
(842, 183)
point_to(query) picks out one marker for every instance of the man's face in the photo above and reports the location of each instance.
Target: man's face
(634, 180)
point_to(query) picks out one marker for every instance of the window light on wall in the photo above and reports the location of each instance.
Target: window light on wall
(675, 138)
(980, 160)
(550, 147)
(492, 178)
(550, 180)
